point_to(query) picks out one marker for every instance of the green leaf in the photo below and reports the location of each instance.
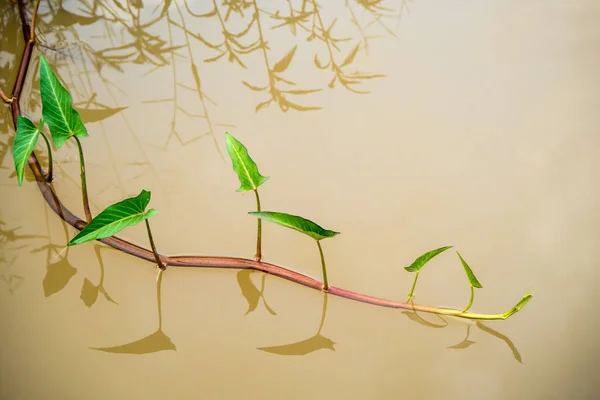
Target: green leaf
(472, 279)
(57, 109)
(243, 165)
(294, 222)
(421, 261)
(115, 218)
(25, 140)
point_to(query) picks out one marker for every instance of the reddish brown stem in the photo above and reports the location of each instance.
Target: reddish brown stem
(196, 261)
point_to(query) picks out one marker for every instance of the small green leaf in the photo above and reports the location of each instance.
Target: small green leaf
(62, 119)
(25, 140)
(115, 218)
(421, 261)
(470, 275)
(294, 222)
(243, 165)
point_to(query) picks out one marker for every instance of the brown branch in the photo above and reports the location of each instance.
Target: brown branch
(202, 261)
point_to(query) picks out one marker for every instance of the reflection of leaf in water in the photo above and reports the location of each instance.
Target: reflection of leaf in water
(303, 347)
(89, 115)
(108, 298)
(462, 345)
(249, 291)
(418, 319)
(465, 343)
(284, 63)
(158, 341)
(89, 293)
(58, 274)
(505, 338)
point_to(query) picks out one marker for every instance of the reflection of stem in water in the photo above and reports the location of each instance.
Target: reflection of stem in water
(323, 313)
(84, 193)
(158, 297)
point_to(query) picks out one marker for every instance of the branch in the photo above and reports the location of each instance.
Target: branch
(208, 261)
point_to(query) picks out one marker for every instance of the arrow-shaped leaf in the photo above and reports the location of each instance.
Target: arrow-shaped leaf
(25, 140)
(470, 275)
(115, 218)
(243, 165)
(422, 260)
(62, 119)
(284, 63)
(297, 223)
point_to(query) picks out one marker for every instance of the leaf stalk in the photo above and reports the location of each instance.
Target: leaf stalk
(156, 256)
(86, 203)
(49, 175)
(258, 254)
(325, 282)
(470, 301)
(412, 289)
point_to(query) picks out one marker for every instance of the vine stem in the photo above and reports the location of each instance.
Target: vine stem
(49, 174)
(154, 252)
(206, 261)
(325, 283)
(84, 194)
(258, 255)
(412, 289)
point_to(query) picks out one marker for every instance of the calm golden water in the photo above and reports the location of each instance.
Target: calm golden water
(477, 126)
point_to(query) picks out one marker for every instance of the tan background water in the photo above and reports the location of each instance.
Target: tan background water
(483, 134)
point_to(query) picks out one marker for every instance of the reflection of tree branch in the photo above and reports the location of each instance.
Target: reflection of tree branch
(345, 79)
(202, 97)
(274, 76)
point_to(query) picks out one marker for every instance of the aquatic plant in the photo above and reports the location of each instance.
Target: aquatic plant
(64, 122)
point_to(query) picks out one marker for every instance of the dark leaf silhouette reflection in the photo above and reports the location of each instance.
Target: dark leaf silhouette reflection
(251, 292)
(310, 345)
(89, 291)
(502, 337)
(465, 342)
(58, 275)
(155, 342)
